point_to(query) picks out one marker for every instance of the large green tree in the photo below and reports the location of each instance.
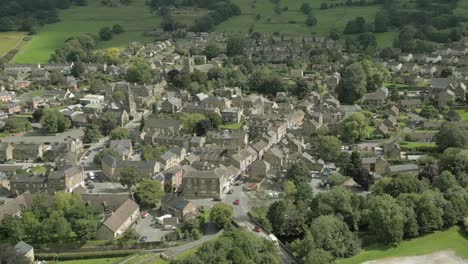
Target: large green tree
(329, 147)
(119, 133)
(353, 84)
(386, 220)
(149, 192)
(91, 134)
(221, 215)
(354, 128)
(54, 121)
(298, 173)
(129, 177)
(451, 136)
(332, 234)
(140, 72)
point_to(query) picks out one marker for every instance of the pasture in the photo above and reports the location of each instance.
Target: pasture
(135, 19)
(9, 41)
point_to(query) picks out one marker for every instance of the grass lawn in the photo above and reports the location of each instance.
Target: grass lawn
(464, 114)
(9, 41)
(407, 144)
(134, 18)
(231, 126)
(451, 239)
(92, 261)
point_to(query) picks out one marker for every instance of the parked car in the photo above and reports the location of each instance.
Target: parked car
(258, 229)
(143, 239)
(144, 214)
(230, 191)
(169, 227)
(217, 199)
(237, 202)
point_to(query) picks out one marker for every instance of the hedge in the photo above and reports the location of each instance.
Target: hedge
(85, 255)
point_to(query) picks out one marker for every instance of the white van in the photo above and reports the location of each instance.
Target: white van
(91, 175)
(273, 239)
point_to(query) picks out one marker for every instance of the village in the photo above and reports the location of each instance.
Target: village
(217, 143)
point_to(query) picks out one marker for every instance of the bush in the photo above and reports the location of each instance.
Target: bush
(336, 179)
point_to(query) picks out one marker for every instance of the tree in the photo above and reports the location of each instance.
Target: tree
(235, 46)
(111, 56)
(105, 33)
(202, 127)
(329, 147)
(140, 72)
(405, 183)
(302, 247)
(77, 69)
(215, 119)
(353, 84)
(119, 133)
(305, 8)
(429, 111)
(386, 220)
(9, 255)
(85, 229)
(298, 173)
(332, 234)
(211, 51)
(318, 256)
(54, 121)
(129, 177)
(455, 160)
(445, 181)
(117, 29)
(16, 125)
(91, 134)
(363, 177)
(451, 136)
(189, 121)
(149, 192)
(149, 152)
(367, 41)
(338, 201)
(311, 20)
(336, 179)
(354, 128)
(221, 215)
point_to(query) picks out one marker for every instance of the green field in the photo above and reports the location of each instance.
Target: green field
(135, 19)
(464, 114)
(269, 21)
(452, 239)
(9, 41)
(92, 261)
(407, 144)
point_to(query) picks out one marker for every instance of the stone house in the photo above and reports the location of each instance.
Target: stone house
(177, 206)
(231, 115)
(111, 167)
(24, 152)
(173, 176)
(207, 183)
(392, 150)
(375, 164)
(381, 130)
(171, 105)
(11, 108)
(258, 171)
(123, 147)
(26, 250)
(391, 122)
(120, 220)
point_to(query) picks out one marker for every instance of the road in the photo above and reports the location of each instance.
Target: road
(173, 252)
(241, 217)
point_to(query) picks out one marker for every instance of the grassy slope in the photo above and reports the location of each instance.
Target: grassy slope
(9, 41)
(327, 19)
(92, 261)
(443, 240)
(89, 19)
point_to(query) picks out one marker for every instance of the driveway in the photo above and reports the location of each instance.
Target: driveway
(144, 228)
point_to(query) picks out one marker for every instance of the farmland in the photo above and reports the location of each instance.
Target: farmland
(261, 17)
(135, 19)
(9, 41)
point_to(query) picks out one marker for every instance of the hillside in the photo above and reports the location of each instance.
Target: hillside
(135, 19)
